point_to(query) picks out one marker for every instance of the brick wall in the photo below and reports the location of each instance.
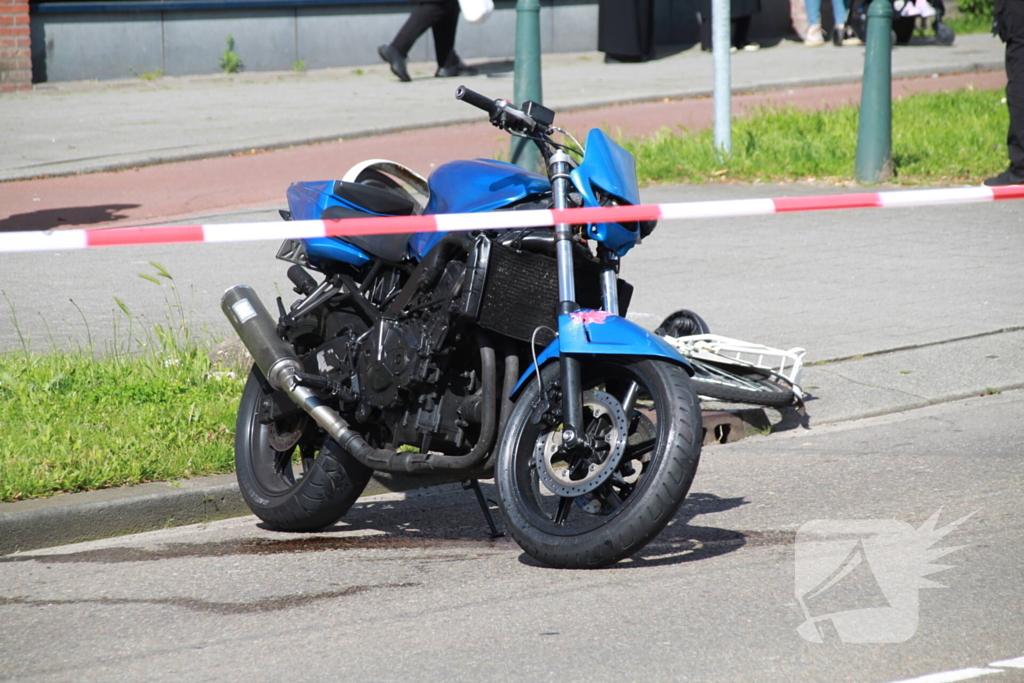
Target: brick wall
(15, 46)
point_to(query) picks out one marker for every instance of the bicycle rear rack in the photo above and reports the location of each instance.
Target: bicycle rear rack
(718, 349)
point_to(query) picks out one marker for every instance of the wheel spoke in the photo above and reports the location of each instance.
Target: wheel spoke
(564, 506)
(283, 463)
(609, 497)
(635, 450)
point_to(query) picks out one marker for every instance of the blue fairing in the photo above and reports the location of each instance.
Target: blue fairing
(589, 332)
(307, 201)
(608, 167)
(475, 185)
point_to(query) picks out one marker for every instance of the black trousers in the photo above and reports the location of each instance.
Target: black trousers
(625, 29)
(1014, 18)
(740, 32)
(443, 18)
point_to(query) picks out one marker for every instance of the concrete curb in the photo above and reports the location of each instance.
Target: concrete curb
(87, 516)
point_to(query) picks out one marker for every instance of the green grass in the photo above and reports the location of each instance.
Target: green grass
(151, 408)
(941, 138)
(72, 422)
(968, 23)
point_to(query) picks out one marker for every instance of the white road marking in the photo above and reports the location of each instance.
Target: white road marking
(1017, 663)
(952, 676)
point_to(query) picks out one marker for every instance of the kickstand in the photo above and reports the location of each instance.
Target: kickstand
(475, 485)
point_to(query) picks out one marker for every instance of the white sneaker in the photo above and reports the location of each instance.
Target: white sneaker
(751, 47)
(815, 36)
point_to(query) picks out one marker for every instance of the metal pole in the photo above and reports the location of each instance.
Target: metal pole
(874, 125)
(527, 82)
(721, 41)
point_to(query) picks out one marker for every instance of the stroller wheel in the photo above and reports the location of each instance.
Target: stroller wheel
(944, 35)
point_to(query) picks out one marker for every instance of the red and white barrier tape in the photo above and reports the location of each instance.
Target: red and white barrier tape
(62, 240)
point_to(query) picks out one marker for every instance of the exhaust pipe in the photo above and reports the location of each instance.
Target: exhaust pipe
(276, 358)
(279, 364)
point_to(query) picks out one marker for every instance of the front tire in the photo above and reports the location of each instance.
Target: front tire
(592, 508)
(291, 475)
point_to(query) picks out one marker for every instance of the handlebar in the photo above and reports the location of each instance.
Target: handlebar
(477, 100)
(505, 116)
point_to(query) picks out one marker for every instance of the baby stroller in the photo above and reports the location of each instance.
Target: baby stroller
(905, 15)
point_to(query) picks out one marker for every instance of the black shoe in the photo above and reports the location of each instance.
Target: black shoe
(397, 61)
(460, 69)
(1007, 177)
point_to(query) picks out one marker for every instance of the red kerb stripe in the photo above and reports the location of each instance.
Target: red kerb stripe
(109, 237)
(867, 200)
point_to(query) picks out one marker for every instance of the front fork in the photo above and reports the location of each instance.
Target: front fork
(573, 436)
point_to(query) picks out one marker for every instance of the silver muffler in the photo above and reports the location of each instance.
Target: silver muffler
(276, 358)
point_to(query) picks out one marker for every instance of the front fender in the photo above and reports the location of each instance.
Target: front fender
(589, 332)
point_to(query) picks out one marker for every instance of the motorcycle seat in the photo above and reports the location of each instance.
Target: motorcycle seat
(388, 247)
(374, 201)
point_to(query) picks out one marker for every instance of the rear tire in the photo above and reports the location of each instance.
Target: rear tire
(266, 459)
(591, 508)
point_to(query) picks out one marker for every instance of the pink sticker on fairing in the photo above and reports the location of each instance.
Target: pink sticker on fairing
(588, 316)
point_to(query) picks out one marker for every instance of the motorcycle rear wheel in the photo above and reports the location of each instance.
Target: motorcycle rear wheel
(660, 441)
(291, 475)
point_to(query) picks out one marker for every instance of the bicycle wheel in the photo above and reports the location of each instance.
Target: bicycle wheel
(739, 384)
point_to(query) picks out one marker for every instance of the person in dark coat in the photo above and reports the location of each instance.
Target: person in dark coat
(740, 12)
(625, 30)
(441, 16)
(1009, 25)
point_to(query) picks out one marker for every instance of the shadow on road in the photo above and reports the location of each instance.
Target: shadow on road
(48, 219)
(437, 522)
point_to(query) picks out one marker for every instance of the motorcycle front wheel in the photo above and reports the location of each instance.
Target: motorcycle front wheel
(592, 507)
(291, 475)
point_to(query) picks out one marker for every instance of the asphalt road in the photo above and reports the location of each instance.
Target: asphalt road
(412, 589)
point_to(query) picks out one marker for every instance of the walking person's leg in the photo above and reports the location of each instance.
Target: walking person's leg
(1015, 87)
(815, 36)
(1013, 33)
(423, 16)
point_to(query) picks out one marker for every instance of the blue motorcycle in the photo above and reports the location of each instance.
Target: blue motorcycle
(470, 355)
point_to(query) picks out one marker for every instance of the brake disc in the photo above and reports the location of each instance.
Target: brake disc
(553, 462)
(282, 436)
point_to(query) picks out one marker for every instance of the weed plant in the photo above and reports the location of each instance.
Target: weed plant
(937, 138)
(152, 408)
(230, 62)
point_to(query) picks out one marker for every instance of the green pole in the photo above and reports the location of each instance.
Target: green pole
(874, 129)
(527, 77)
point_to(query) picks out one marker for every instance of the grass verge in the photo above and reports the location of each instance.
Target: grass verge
(152, 408)
(937, 138)
(73, 422)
